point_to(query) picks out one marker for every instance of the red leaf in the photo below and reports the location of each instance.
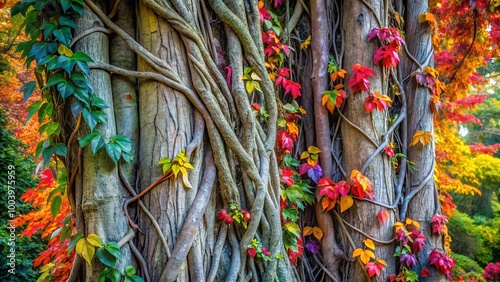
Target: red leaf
(388, 54)
(373, 269)
(425, 272)
(286, 176)
(418, 240)
(361, 79)
(389, 151)
(438, 223)
(252, 252)
(343, 187)
(382, 216)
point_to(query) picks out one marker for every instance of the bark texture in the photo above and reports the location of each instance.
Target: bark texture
(359, 20)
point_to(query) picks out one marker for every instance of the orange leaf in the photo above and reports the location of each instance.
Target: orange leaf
(305, 44)
(292, 128)
(327, 203)
(345, 203)
(307, 231)
(317, 232)
(424, 137)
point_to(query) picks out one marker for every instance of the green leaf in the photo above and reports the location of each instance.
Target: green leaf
(77, 6)
(28, 89)
(106, 257)
(290, 213)
(48, 28)
(49, 128)
(289, 108)
(129, 270)
(290, 161)
(60, 149)
(32, 110)
(79, 80)
(54, 80)
(82, 57)
(63, 35)
(65, 89)
(97, 143)
(114, 250)
(87, 138)
(67, 21)
(89, 119)
(45, 110)
(65, 63)
(55, 206)
(114, 152)
(65, 4)
(109, 274)
(98, 102)
(73, 241)
(124, 143)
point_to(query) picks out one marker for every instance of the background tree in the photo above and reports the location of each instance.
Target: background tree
(237, 93)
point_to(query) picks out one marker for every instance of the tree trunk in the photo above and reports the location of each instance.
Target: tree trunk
(359, 20)
(421, 198)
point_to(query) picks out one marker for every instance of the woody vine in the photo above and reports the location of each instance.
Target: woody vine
(279, 194)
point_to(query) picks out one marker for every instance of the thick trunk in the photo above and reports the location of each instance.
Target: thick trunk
(102, 196)
(358, 22)
(424, 203)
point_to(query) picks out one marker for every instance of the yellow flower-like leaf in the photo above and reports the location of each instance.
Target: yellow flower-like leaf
(364, 255)
(305, 44)
(412, 222)
(369, 243)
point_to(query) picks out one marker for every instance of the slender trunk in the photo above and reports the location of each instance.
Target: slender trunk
(359, 21)
(424, 203)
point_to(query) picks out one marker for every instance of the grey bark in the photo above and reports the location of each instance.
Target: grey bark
(102, 196)
(359, 21)
(425, 203)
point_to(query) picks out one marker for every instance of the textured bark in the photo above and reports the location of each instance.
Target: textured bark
(425, 203)
(166, 128)
(102, 197)
(359, 21)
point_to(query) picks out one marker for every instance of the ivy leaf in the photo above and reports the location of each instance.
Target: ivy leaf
(32, 110)
(87, 138)
(114, 152)
(28, 89)
(67, 21)
(106, 257)
(369, 243)
(114, 250)
(290, 214)
(304, 45)
(94, 240)
(364, 255)
(292, 228)
(63, 35)
(74, 241)
(55, 206)
(345, 203)
(85, 250)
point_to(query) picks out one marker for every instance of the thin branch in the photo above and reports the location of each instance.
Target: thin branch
(88, 32)
(359, 129)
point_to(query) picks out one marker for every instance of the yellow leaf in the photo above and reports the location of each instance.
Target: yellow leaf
(186, 182)
(302, 111)
(249, 87)
(86, 251)
(183, 170)
(357, 252)
(307, 231)
(188, 165)
(412, 222)
(175, 169)
(345, 203)
(317, 233)
(63, 50)
(424, 137)
(313, 150)
(305, 44)
(94, 240)
(304, 155)
(369, 243)
(381, 261)
(255, 76)
(398, 225)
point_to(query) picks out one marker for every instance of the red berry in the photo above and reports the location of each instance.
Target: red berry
(246, 215)
(228, 220)
(222, 215)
